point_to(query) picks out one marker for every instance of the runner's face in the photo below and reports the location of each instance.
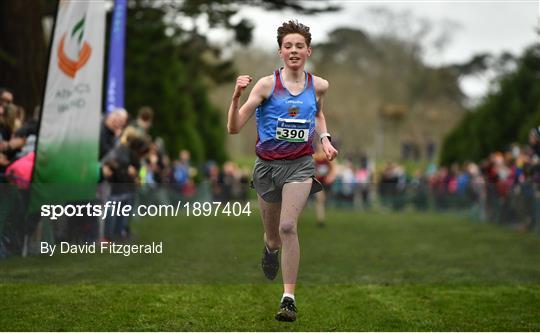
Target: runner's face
(294, 51)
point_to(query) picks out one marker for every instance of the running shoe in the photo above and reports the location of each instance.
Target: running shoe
(270, 263)
(287, 310)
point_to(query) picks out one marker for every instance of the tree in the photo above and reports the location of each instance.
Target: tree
(170, 64)
(23, 50)
(384, 84)
(505, 115)
(169, 61)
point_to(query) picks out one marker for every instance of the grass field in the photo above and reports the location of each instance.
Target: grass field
(364, 271)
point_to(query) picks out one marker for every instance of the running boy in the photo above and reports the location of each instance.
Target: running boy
(289, 110)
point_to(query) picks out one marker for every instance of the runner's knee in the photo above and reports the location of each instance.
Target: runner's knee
(287, 228)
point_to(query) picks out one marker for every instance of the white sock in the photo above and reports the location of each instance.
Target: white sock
(287, 295)
(270, 251)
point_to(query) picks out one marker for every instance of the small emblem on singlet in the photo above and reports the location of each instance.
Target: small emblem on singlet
(293, 111)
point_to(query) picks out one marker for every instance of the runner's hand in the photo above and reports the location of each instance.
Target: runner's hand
(241, 83)
(329, 150)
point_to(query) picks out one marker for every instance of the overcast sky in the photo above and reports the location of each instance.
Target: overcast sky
(492, 26)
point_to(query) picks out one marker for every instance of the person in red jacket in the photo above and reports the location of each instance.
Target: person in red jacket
(325, 173)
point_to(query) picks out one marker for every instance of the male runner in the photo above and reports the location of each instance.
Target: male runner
(289, 110)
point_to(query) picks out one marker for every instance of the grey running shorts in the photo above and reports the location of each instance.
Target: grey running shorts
(270, 176)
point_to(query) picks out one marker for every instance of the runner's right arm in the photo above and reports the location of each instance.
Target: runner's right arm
(237, 118)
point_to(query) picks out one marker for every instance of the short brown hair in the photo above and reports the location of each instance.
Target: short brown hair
(293, 27)
(145, 113)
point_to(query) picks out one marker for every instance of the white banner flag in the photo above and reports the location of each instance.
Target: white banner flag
(68, 142)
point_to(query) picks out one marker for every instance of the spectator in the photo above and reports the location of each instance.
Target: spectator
(228, 181)
(121, 168)
(534, 140)
(181, 171)
(347, 183)
(27, 136)
(111, 128)
(7, 126)
(6, 97)
(325, 173)
(420, 187)
(388, 184)
(144, 120)
(364, 178)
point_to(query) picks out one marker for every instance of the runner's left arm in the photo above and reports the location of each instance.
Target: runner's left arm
(321, 87)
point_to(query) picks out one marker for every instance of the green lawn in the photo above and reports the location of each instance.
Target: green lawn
(364, 271)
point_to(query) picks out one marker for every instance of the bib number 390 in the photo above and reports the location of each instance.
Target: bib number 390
(292, 130)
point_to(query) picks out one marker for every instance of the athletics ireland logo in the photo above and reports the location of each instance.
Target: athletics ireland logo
(293, 111)
(75, 47)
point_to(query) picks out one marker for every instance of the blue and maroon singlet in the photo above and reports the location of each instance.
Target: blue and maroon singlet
(286, 122)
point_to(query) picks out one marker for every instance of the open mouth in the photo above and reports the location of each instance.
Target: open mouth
(294, 59)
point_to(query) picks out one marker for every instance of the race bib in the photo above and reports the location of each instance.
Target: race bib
(292, 130)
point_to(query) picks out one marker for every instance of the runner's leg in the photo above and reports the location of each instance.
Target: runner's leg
(270, 213)
(294, 199)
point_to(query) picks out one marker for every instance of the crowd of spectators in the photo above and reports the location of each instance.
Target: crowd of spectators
(18, 133)
(504, 188)
(136, 168)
